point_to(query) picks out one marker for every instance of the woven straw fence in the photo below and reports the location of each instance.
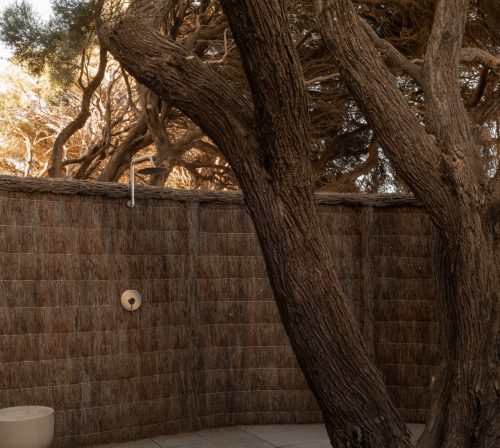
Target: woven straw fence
(207, 348)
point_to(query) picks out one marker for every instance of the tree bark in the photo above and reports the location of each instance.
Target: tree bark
(464, 410)
(441, 165)
(267, 146)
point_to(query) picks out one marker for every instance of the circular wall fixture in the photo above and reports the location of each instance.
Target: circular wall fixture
(131, 300)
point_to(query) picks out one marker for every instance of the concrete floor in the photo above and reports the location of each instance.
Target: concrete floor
(262, 436)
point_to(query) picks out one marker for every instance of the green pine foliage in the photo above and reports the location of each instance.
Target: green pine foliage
(55, 45)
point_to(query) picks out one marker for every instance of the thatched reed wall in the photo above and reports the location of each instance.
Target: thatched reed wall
(207, 348)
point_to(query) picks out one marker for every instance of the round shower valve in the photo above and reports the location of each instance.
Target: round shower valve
(131, 300)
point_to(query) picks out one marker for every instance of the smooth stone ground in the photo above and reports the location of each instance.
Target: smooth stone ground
(261, 436)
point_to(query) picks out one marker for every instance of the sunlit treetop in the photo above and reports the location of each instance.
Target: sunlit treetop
(55, 44)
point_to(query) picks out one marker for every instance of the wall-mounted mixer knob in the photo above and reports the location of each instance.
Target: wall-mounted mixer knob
(131, 300)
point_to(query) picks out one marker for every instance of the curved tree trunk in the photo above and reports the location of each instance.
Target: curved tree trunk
(464, 410)
(267, 144)
(268, 150)
(319, 320)
(441, 164)
(57, 168)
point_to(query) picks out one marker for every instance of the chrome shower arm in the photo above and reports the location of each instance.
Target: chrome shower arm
(131, 203)
(141, 159)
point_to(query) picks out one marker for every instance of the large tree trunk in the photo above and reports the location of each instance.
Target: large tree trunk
(268, 150)
(317, 316)
(319, 320)
(441, 164)
(464, 411)
(267, 144)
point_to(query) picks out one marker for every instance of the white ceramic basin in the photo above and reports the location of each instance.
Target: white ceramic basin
(26, 427)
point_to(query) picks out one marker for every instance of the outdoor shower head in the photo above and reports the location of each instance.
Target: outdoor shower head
(149, 171)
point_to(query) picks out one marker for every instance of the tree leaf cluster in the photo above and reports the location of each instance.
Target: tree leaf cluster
(55, 44)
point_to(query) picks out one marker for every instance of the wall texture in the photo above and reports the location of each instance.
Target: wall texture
(207, 347)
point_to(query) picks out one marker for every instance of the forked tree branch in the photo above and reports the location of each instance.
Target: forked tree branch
(56, 168)
(444, 104)
(393, 57)
(346, 181)
(412, 150)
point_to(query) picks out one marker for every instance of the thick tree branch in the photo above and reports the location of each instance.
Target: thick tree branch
(444, 105)
(261, 31)
(345, 182)
(413, 152)
(393, 57)
(186, 82)
(468, 54)
(443, 51)
(56, 168)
